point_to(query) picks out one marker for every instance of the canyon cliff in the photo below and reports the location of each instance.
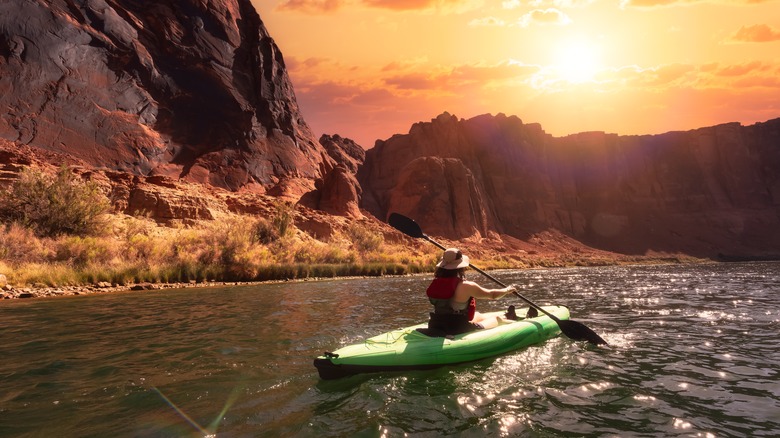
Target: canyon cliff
(183, 109)
(187, 89)
(703, 192)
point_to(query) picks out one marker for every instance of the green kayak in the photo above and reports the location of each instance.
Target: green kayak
(410, 349)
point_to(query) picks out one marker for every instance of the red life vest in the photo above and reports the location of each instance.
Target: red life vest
(440, 293)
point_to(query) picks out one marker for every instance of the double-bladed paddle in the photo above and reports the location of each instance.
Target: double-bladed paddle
(572, 329)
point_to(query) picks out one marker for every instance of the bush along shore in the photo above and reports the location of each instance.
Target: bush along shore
(60, 236)
(139, 254)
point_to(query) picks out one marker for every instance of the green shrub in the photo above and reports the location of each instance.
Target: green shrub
(265, 232)
(282, 219)
(55, 205)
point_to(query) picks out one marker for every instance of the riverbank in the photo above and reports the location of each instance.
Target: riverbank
(277, 241)
(130, 365)
(40, 290)
(8, 292)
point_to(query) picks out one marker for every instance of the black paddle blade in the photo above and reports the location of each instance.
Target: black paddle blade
(580, 332)
(405, 225)
(572, 329)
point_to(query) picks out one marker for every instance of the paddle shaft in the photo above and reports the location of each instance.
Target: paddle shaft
(573, 329)
(553, 317)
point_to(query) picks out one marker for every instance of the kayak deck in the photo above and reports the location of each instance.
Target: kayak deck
(409, 349)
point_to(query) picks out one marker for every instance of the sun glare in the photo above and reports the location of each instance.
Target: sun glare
(577, 62)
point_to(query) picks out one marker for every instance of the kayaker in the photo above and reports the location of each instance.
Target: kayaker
(454, 298)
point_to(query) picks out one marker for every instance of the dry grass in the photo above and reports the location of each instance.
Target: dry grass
(45, 240)
(234, 248)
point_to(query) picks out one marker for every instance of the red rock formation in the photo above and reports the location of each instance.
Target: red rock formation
(158, 197)
(443, 194)
(344, 151)
(340, 193)
(192, 89)
(703, 192)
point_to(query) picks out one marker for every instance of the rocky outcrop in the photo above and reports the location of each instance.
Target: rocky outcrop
(443, 194)
(338, 192)
(189, 89)
(344, 151)
(166, 203)
(702, 192)
(157, 197)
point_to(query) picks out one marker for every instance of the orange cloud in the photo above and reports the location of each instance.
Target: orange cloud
(504, 70)
(657, 3)
(668, 74)
(459, 77)
(413, 81)
(759, 82)
(310, 6)
(742, 69)
(674, 76)
(487, 21)
(545, 16)
(400, 5)
(326, 6)
(419, 5)
(388, 99)
(560, 3)
(757, 33)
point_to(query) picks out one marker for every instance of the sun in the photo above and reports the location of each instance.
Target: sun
(577, 61)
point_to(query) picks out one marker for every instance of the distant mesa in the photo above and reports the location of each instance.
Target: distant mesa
(701, 192)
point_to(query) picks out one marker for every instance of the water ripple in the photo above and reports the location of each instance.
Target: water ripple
(693, 352)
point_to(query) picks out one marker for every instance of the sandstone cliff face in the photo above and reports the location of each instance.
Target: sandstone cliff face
(192, 89)
(703, 192)
(338, 192)
(344, 151)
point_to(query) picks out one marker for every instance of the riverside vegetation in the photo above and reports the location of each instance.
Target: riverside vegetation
(59, 234)
(59, 231)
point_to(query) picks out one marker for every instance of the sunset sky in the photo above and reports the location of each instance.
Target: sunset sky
(368, 69)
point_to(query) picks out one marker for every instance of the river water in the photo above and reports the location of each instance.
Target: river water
(693, 352)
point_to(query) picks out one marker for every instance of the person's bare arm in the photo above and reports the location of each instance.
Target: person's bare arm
(470, 289)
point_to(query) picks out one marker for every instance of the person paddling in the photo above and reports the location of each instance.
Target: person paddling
(454, 298)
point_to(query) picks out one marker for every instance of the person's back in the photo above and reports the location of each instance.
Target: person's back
(454, 298)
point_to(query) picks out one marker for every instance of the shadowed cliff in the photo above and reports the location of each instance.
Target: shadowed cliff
(153, 95)
(186, 89)
(702, 192)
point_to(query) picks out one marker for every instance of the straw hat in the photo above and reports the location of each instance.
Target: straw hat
(453, 259)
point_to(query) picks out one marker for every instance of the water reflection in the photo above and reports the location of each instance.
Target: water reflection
(693, 352)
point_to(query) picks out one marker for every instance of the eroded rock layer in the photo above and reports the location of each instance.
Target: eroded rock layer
(189, 89)
(706, 191)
